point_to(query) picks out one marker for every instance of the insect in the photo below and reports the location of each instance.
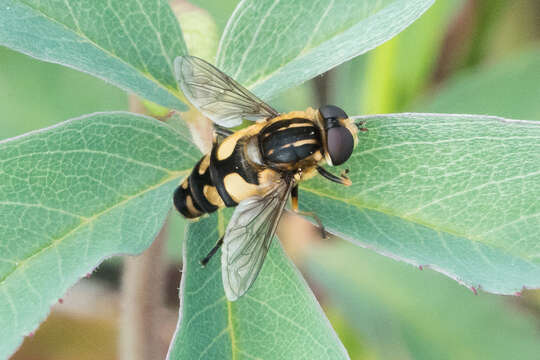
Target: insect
(255, 168)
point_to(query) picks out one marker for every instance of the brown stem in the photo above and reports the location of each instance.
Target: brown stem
(457, 40)
(142, 299)
(321, 84)
(142, 296)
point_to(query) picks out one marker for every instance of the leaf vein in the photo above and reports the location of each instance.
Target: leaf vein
(360, 206)
(87, 221)
(254, 38)
(463, 192)
(86, 39)
(281, 316)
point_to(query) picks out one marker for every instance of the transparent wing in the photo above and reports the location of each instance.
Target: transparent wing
(216, 95)
(248, 238)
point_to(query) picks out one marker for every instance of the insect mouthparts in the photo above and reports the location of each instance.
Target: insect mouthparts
(360, 125)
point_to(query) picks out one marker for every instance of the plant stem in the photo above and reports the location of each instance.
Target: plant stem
(142, 296)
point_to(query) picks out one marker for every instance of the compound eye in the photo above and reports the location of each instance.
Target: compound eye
(332, 112)
(340, 144)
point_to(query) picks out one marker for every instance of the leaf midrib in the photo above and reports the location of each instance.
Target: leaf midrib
(230, 329)
(88, 220)
(413, 220)
(144, 74)
(230, 325)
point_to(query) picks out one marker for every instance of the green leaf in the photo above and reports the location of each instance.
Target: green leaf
(72, 195)
(131, 44)
(270, 46)
(410, 314)
(456, 192)
(279, 318)
(509, 88)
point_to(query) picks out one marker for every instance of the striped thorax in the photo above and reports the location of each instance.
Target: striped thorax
(250, 161)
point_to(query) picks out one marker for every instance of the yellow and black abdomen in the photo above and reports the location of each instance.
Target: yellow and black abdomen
(249, 163)
(289, 141)
(189, 198)
(222, 178)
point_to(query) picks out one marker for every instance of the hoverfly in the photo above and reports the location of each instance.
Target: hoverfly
(255, 168)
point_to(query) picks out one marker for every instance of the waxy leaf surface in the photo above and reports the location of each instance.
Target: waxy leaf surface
(72, 195)
(456, 192)
(278, 318)
(272, 45)
(130, 44)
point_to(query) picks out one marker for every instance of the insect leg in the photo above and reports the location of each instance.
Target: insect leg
(212, 252)
(294, 201)
(222, 131)
(343, 180)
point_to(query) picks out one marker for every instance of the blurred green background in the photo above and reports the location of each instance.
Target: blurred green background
(462, 56)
